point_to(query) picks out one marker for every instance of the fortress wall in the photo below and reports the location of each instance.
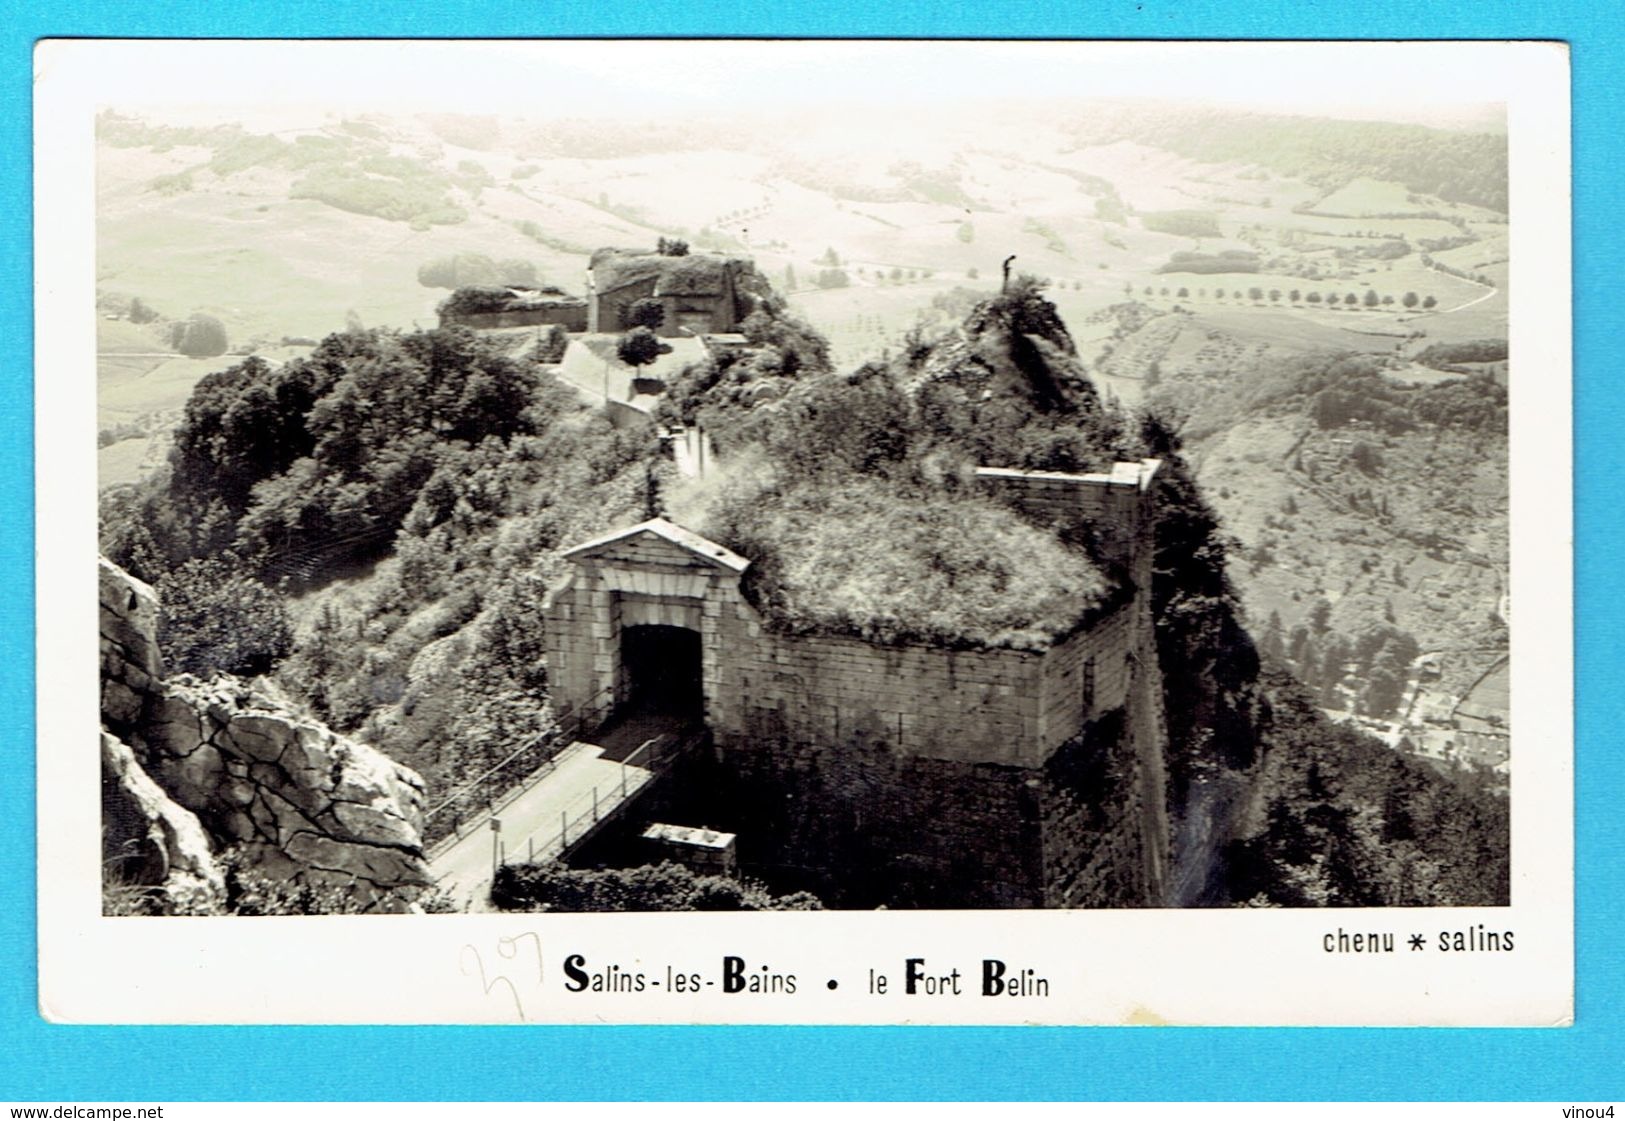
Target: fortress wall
(862, 824)
(912, 776)
(1114, 508)
(1094, 848)
(572, 317)
(1099, 653)
(971, 706)
(572, 650)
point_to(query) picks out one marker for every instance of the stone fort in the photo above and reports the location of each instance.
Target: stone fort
(905, 775)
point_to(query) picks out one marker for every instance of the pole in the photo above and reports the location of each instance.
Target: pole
(595, 803)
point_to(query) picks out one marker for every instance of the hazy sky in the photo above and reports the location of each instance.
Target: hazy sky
(1428, 81)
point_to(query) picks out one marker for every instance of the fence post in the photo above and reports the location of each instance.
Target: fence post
(530, 849)
(564, 829)
(595, 803)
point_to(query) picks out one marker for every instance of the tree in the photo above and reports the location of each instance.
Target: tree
(646, 312)
(214, 617)
(1410, 300)
(639, 347)
(553, 344)
(1430, 302)
(200, 336)
(1371, 297)
(966, 233)
(830, 258)
(1184, 293)
(1255, 294)
(140, 312)
(789, 278)
(1320, 616)
(832, 278)
(1351, 299)
(517, 272)
(1294, 295)
(438, 273)
(671, 247)
(1275, 295)
(971, 273)
(1314, 297)
(1387, 301)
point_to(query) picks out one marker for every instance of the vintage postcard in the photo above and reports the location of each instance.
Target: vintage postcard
(804, 532)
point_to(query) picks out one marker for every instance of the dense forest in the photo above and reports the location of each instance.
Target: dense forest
(377, 525)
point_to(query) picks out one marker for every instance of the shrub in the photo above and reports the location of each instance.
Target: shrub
(215, 617)
(200, 336)
(477, 300)
(639, 347)
(652, 887)
(646, 313)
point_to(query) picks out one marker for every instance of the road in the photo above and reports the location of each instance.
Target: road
(464, 871)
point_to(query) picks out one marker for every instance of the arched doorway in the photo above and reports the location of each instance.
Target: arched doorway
(661, 670)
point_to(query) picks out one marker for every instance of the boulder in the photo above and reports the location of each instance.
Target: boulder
(131, 663)
(150, 844)
(291, 799)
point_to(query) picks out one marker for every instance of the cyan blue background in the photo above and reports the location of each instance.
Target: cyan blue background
(44, 1062)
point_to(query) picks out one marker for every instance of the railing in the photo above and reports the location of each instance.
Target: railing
(476, 801)
(597, 805)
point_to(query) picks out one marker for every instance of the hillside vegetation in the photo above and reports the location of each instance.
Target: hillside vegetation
(1456, 166)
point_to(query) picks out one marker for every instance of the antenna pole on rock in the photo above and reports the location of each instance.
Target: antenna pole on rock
(1005, 287)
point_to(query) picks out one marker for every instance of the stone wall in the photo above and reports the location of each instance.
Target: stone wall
(1010, 707)
(1114, 509)
(571, 316)
(905, 775)
(861, 824)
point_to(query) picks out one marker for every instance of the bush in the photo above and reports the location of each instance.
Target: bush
(215, 617)
(652, 887)
(477, 300)
(200, 336)
(646, 313)
(639, 347)
(1186, 223)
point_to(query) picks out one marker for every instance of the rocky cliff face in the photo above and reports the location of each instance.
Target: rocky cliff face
(191, 769)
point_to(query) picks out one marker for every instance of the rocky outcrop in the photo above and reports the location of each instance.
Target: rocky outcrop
(157, 855)
(291, 799)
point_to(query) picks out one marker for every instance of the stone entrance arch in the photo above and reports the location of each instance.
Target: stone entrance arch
(625, 610)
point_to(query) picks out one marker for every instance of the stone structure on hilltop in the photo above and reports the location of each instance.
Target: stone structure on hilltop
(191, 768)
(702, 293)
(909, 775)
(526, 307)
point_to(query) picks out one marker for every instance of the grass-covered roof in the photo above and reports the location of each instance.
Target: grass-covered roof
(868, 557)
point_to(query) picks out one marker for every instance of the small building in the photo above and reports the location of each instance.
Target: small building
(702, 293)
(705, 852)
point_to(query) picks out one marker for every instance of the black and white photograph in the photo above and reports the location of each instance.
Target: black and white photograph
(639, 477)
